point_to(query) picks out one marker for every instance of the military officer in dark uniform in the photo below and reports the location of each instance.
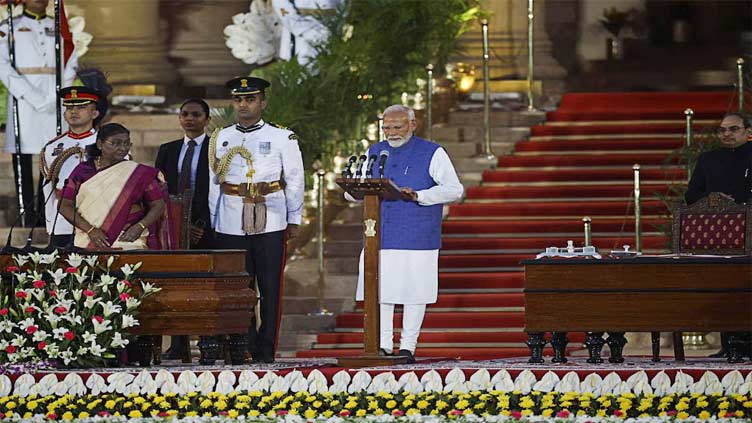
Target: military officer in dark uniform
(256, 185)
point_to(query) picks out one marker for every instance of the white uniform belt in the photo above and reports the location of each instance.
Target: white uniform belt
(36, 71)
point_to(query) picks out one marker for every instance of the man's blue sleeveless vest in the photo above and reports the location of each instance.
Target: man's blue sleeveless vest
(406, 225)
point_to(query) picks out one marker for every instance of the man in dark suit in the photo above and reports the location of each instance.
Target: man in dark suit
(184, 162)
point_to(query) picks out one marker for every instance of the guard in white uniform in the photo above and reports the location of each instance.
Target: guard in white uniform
(410, 229)
(61, 155)
(32, 82)
(256, 185)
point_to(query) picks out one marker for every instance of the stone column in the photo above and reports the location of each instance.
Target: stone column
(197, 46)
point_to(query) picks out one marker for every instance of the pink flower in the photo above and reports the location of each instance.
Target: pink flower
(98, 319)
(103, 414)
(53, 293)
(71, 269)
(69, 335)
(282, 412)
(10, 349)
(39, 284)
(344, 413)
(672, 413)
(563, 414)
(4, 311)
(619, 413)
(126, 283)
(42, 345)
(31, 329)
(30, 309)
(89, 293)
(221, 413)
(60, 309)
(51, 416)
(516, 414)
(398, 413)
(164, 413)
(729, 415)
(20, 294)
(12, 269)
(124, 296)
(455, 412)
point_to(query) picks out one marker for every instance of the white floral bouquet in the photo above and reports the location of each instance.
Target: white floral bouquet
(70, 312)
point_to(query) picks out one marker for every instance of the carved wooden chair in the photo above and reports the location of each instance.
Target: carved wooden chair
(713, 225)
(179, 212)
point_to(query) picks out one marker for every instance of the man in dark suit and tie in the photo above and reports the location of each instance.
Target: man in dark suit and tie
(185, 164)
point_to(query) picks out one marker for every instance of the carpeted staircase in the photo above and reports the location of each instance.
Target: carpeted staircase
(579, 163)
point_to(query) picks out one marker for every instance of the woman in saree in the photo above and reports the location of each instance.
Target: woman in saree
(116, 203)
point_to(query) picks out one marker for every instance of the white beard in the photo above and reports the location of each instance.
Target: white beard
(397, 143)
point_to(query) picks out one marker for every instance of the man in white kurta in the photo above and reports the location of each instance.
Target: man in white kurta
(411, 229)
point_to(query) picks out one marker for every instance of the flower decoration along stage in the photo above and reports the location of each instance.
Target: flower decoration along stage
(67, 313)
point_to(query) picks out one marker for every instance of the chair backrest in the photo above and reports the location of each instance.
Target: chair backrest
(713, 225)
(180, 218)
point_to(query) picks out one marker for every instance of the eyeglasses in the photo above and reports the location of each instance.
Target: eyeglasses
(125, 144)
(731, 129)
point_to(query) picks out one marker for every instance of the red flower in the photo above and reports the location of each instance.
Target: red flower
(71, 269)
(672, 413)
(60, 309)
(221, 413)
(344, 413)
(103, 414)
(53, 293)
(4, 311)
(516, 414)
(41, 345)
(398, 413)
(31, 329)
(89, 293)
(51, 416)
(164, 413)
(30, 309)
(99, 319)
(39, 284)
(69, 335)
(455, 413)
(12, 269)
(125, 282)
(619, 413)
(20, 294)
(563, 414)
(729, 415)
(10, 349)
(282, 412)
(124, 296)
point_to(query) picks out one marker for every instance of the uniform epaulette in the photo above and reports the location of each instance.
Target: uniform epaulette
(54, 139)
(232, 124)
(276, 125)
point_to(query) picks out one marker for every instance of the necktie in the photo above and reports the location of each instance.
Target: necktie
(184, 182)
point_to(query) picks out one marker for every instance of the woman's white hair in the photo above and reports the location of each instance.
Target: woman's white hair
(398, 108)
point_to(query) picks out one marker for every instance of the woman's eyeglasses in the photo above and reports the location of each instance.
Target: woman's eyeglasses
(124, 144)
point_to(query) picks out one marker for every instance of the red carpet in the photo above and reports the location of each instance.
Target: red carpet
(536, 198)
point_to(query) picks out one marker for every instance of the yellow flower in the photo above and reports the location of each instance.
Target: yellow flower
(10, 405)
(83, 415)
(526, 402)
(746, 404)
(391, 404)
(127, 404)
(317, 404)
(723, 405)
(704, 415)
(527, 412)
(681, 406)
(547, 412)
(66, 416)
(134, 414)
(468, 411)
(412, 412)
(422, 404)
(232, 414)
(310, 413)
(328, 413)
(351, 404)
(606, 403)
(205, 403)
(253, 413)
(191, 414)
(682, 415)
(406, 403)
(461, 404)
(31, 405)
(739, 413)
(378, 412)
(220, 405)
(440, 405)
(27, 415)
(139, 400)
(360, 413)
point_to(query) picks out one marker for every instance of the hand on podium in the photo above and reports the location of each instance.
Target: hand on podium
(409, 194)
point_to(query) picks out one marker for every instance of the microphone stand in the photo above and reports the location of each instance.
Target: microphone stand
(29, 239)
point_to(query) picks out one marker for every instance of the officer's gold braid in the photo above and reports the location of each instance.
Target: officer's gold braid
(43, 165)
(221, 168)
(57, 164)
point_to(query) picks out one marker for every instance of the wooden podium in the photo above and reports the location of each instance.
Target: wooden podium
(371, 191)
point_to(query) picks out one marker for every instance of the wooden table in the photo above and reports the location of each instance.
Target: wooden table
(644, 294)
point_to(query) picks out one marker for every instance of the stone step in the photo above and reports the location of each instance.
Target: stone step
(304, 323)
(290, 343)
(341, 265)
(306, 305)
(474, 134)
(498, 118)
(344, 248)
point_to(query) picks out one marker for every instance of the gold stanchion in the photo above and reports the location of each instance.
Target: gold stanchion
(740, 82)
(321, 311)
(381, 127)
(588, 234)
(530, 39)
(488, 152)
(429, 102)
(637, 209)
(688, 114)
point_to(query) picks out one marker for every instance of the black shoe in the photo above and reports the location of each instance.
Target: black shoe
(408, 354)
(385, 353)
(719, 354)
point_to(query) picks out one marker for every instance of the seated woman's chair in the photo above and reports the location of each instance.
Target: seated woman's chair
(714, 225)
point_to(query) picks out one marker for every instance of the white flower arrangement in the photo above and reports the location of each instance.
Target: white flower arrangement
(73, 317)
(253, 37)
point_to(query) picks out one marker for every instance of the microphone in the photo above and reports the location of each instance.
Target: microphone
(382, 161)
(8, 248)
(30, 237)
(347, 172)
(369, 169)
(359, 167)
(71, 247)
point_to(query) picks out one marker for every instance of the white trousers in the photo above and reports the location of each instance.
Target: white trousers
(412, 320)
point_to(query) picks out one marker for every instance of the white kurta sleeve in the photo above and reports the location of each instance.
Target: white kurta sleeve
(292, 166)
(448, 187)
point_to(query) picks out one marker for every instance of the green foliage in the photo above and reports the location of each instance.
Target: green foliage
(376, 51)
